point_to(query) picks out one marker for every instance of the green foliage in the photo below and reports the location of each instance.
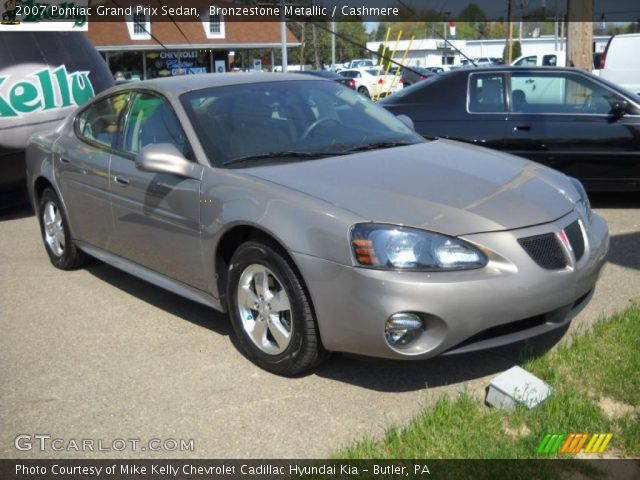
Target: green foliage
(516, 51)
(604, 362)
(383, 59)
(472, 13)
(345, 51)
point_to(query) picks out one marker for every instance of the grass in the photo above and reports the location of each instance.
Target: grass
(594, 372)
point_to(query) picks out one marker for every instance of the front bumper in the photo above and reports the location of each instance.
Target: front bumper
(509, 300)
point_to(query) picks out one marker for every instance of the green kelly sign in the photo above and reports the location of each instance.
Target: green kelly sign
(44, 90)
(32, 11)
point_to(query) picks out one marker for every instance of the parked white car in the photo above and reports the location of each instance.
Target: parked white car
(620, 63)
(549, 59)
(360, 63)
(371, 82)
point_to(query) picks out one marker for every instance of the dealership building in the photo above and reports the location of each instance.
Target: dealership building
(142, 48)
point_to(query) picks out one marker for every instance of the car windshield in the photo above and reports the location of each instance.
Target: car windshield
(289, 121)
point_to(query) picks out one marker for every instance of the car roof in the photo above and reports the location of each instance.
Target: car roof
(185, 83)
(513, 68)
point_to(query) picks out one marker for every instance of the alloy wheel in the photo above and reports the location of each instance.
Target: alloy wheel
(264, 309)
(53, 228)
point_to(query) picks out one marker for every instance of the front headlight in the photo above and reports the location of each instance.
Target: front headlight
(401, 248)
(583, 204)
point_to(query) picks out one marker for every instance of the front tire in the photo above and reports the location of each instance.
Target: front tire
(270, 310)
(56, 235)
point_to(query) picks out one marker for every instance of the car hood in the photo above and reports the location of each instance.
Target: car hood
(442, 186)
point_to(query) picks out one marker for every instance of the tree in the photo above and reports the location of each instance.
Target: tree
(383, 60)
(472, 13)
(316, 42)
(515, 52)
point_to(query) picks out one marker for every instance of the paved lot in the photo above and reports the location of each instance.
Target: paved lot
(98, 354)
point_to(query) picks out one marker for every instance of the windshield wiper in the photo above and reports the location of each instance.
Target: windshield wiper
(377, 146)
(283, 154)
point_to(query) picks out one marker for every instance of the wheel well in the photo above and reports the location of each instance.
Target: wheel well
(230, 242)
(227, 246)
(38, 187)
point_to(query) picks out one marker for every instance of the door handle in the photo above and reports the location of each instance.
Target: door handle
(124, 181)
(64, 160)
(522, 128)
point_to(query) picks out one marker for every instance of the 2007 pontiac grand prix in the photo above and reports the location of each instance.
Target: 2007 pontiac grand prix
(319, 221)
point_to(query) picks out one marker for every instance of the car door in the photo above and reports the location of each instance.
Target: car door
(565, 120)
(157, 215)
(82, 167)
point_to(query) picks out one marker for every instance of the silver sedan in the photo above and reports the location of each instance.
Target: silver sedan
(316, 219)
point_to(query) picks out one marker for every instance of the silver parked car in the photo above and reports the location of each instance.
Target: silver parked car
(319, 221)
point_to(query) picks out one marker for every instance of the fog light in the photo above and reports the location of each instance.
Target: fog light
(402, 328)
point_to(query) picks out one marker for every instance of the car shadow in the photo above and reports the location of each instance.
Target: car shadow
(615, 200)
(16, 212)
(183, 308)
(624, 250)
(374, 374)
(406, 376)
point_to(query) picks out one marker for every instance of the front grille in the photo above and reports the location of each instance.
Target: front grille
(504, 330)
(574, 234)
(545, 250)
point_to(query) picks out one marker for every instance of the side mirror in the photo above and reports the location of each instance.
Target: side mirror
(166, 158)
(619, 108)
(407, 121)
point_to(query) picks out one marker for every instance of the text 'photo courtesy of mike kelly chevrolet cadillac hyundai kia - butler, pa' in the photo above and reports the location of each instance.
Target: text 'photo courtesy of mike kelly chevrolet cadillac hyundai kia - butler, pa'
(346, 239)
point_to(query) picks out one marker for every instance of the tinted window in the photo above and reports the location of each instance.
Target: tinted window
(100, 122)
(487, 93)
(559, 93)
(550, 60)
(152, 120)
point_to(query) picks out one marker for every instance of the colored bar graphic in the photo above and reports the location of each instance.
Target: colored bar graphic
(606, 442)
(579, 447)
(590, 444)
(543, 444)
(565, 447)
(554, 443)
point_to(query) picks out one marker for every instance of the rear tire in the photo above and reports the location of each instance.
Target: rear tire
(364, 91)
(56, 235)
(270, 310)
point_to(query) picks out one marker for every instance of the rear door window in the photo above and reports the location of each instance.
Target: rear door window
(487, 93)
(561, 93)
